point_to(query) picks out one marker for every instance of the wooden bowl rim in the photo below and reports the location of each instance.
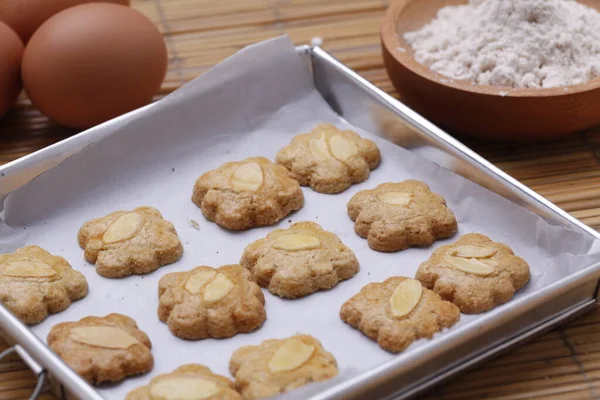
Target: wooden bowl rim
(389, 38)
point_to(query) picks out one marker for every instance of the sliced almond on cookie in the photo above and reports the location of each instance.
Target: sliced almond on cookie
(29, 269)
(218, 288)
(396, 198)
(319, 148)
(472, 265)
(405, 298)
(247, 176)
(197, 281)
(296, 242)
(124, 227)
(183, 388)
(470, 251)
(108, 337)
(292, 354)
(342, 148)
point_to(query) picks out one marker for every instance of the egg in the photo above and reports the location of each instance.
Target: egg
(25, 16)
(93, 62)
(11, 52)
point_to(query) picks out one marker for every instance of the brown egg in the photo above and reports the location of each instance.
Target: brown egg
(11, 52)
(25, 16)
(93, 62)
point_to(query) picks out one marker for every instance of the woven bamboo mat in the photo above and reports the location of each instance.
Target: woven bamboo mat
(562, 364)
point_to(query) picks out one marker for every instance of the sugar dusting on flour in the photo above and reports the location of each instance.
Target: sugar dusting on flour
(512, 43)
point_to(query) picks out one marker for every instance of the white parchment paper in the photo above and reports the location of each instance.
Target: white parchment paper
(251, 104)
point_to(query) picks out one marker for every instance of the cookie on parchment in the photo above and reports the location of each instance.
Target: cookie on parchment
(328, 159)
(102, 349)
(277, 366)
(130, 242)
(397, 312)
(188, 382)
(247, 194)
(395, 216)
(35, 283)
(475, 273)
(299, 260)
(210, 302)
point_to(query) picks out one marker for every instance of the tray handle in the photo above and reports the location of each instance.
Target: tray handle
(34, 366)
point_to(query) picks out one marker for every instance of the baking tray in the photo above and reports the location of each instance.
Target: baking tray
(366, 107)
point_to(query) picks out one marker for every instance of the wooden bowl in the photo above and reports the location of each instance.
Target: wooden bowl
(490, 112)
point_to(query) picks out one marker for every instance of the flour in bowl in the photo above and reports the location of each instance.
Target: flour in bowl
(513, 43)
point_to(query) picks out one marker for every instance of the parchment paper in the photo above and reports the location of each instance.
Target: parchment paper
(251, 104)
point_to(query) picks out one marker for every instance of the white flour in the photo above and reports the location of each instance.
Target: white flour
(514, 43)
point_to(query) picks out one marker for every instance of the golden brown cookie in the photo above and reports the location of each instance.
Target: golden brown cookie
(299, 260)
(398, 311)
(247, 194)
(188, 382)
(130, 242)
(395, 216)
(328, 159)
(278, 366)
(103, 349)
(210, 303)
(34, 283)
(475, 273)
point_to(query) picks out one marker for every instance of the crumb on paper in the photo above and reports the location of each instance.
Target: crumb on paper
(172, 169)
(194, 224)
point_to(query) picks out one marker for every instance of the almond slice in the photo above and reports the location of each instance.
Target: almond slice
(183, 388)
(396, 198)
(197, 281)
(472, 265)
(247, 176)
(124, 227)
(405, 298)
(29, 269)
(108, 337)
(342, 148)
(470, 251)
(319, 148)
(218, 288)
(292, 354)
(296, 242)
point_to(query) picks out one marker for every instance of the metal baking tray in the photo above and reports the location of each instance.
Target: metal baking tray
(365, 106)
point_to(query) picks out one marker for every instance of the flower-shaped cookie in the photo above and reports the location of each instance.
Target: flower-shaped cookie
(188, 382)
(102, 349)
(34, 283)
(398, 311)
(247, 194)
(328, 159)
(299, 260)
(278, 366)
(130, 242)
(395, 216)
(210, 303)
(475, 273)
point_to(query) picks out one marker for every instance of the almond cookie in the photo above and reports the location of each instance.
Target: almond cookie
(130, 242)
(475, 273)
(397, 312)
(278, 366)
(34, 283)
(188, 382)
(102, 349)
(328, 159)
(299, 260)
(210, 302)
(396, 216)
(247, 194)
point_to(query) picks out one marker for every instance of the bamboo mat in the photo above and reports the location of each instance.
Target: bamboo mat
(562, 364)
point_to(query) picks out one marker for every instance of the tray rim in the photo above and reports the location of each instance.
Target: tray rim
(54, 154)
